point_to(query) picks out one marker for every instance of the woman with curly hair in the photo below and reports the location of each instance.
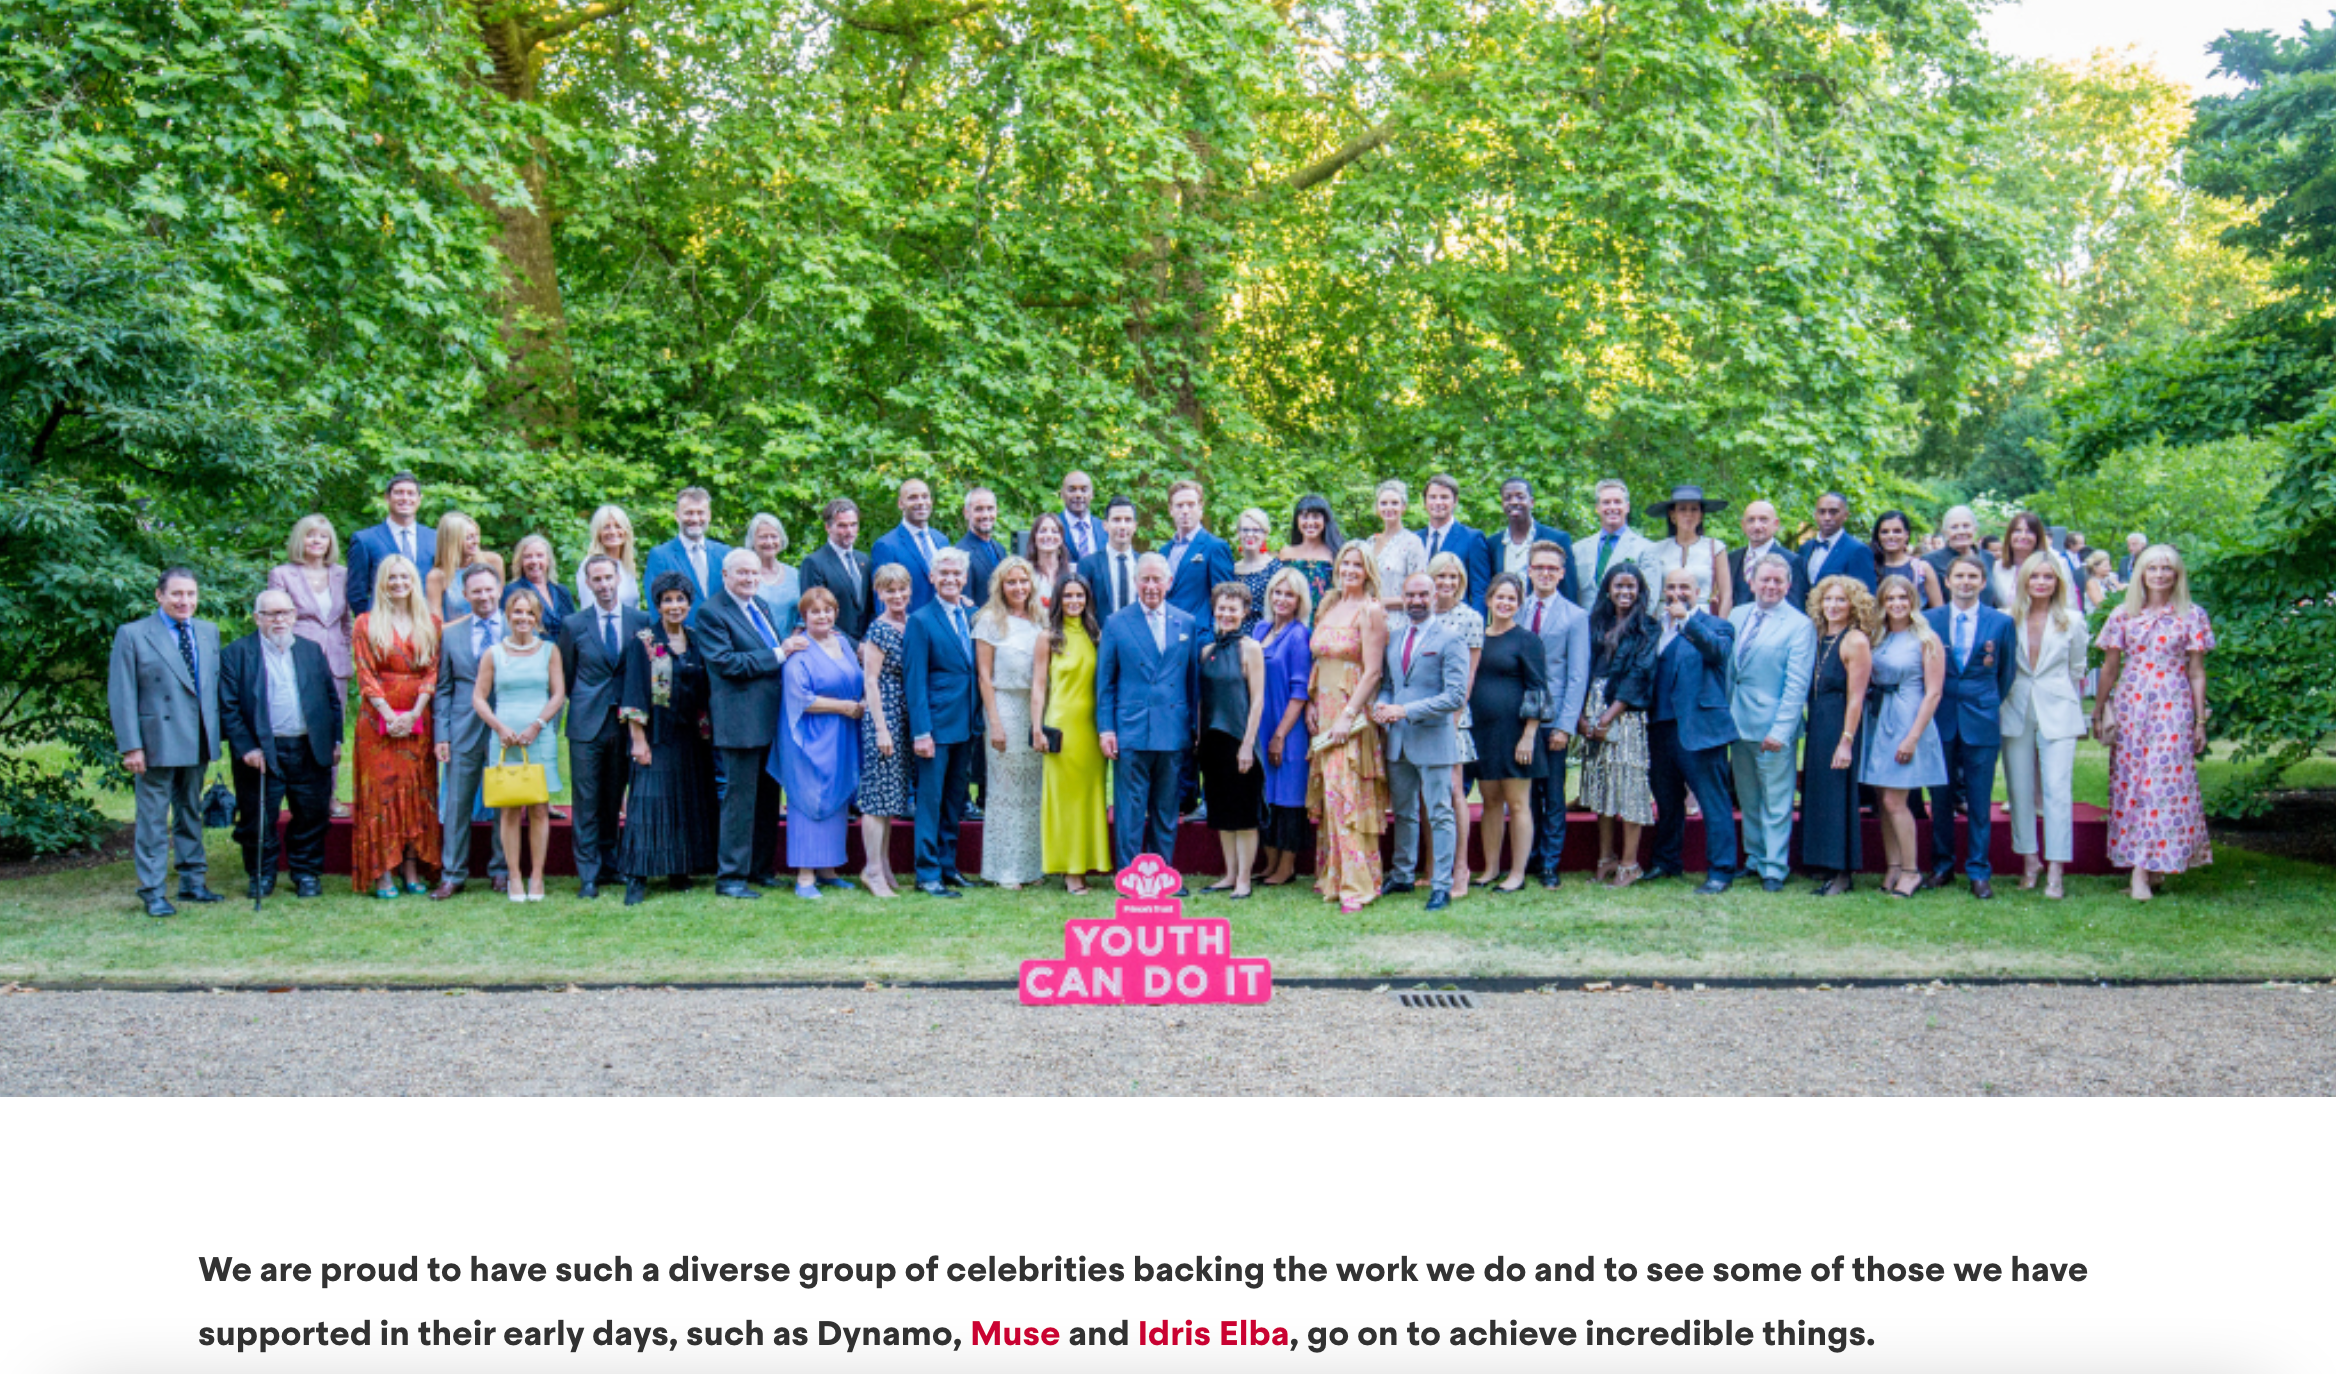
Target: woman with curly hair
(1831, 839)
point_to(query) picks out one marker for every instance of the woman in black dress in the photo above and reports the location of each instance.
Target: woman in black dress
(1830, 826)
(1506, 704)
(669, 813)
(1232, 701)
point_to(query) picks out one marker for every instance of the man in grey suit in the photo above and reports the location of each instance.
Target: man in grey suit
(1420, 695)
(1564, 629)
(1768, 684)
(463, 738)
(600, 763)
(162, 687)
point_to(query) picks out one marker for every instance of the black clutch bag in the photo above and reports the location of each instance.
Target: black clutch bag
(1054, 738)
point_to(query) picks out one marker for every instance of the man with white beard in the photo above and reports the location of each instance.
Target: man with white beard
(282, 719)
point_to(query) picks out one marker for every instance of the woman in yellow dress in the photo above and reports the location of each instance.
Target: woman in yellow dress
(1346, 791)
(1073, 838)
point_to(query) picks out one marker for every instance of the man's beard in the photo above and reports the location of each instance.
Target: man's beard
(278, 639)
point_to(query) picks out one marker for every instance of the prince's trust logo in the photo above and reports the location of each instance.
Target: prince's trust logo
(1147, 952)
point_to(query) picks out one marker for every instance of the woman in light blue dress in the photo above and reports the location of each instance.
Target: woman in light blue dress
(519, 694)
(780, 587)
(1902, 744)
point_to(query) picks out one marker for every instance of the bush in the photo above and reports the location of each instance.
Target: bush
(43, 812)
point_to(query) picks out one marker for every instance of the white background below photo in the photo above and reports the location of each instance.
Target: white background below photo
(2202, 1227)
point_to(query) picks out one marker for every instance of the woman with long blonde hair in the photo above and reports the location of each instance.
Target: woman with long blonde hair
(1346, 787)
(1005, 647)
(459, 546)
(1903, 751)
(396, 651)
(2044, 717)
(2152, 713)
(612, 534)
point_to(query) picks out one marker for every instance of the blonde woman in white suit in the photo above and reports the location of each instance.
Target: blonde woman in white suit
(2044, 716)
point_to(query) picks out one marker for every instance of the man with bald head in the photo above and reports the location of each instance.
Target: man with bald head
(1082, 527)
(1960, 528)
(913, 542)
(281, 714)
(1760, 525)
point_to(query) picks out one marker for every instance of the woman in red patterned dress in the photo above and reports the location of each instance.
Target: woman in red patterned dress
(396, 649)
(2152, 710)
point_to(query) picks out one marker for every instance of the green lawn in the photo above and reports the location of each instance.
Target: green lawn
(2247, 916)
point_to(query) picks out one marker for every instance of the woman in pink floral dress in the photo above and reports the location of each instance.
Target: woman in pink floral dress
(1346, 785)
(2152, 709)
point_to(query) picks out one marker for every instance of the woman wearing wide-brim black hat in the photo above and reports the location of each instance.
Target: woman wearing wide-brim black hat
(1687, 546)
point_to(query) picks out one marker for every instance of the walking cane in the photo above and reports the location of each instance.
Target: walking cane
(266, 820)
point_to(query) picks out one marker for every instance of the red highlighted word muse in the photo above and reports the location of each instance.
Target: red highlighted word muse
(1148, 952)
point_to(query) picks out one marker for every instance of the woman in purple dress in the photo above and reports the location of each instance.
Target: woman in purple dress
(1289, 661)
(818, 760)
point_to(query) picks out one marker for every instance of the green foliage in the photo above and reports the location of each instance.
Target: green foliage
(43, 813)
(2201, 499)
(2273, 147)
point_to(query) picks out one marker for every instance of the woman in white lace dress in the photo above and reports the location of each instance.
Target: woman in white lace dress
(1690, 548)
(1005, 639)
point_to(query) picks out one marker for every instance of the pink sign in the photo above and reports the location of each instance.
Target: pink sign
(1149, 951)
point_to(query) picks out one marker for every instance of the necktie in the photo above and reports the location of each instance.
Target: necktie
(761, 626)
(1538, 607)
(1751, 632)
(1120, 599)
(1410, 638)
(925, 544)
(1962, 639)
(1080, 538)
(697, 564)
(1435, 543)
(1605, 551)
(405, 542)
(964, 639)
(608, 633)
(1159, 623)
(186, 650)
(483, 637)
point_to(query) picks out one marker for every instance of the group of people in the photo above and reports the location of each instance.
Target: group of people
(1304, 696)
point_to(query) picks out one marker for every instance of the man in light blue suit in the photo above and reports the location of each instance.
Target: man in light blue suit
(402, 533)
(1982, 647)
(1688, 734)
(1421, 691)
(1565, 646)
(1445, 534)
(944, 719)
(1614, 541)
(1147, 686)
(689, 552)
(912, 544)
(1768, 685)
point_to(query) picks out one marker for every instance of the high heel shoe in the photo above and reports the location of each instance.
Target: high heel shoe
(2028, 875)
(1605, 873)
(1627, 874)
(2052, 888)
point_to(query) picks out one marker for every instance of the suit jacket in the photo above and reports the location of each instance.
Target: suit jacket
(1768, 676)
(900, 546)
(1691, 682)
(1097, 538)
(1151, 699)
(1971, 703)
(1496, 544)
(1097, 570)
(320, 617)
(1943, 559)
(156, 705)
(453, 719)
(743, 686)
(596, 677)
(1431, 694)
(1796, 596)
(558, 604)
(2048, 700)
(246, 711)
(1474, 553)
(369, 546)
(1849, 558)
(1565, 648)
(983, 557)
(1629, 546)
(848, 578)
(670, 556)
(939, 672)
(1208, 561)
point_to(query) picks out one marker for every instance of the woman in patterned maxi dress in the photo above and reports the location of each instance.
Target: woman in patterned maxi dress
(2152, 709)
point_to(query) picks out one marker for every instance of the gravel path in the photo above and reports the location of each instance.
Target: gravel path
(1914, 1040)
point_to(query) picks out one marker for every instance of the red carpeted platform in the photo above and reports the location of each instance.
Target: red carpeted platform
(1197, 852)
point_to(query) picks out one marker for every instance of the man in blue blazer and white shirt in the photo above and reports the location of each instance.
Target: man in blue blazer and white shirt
(402, 533)
(1835, 551)
(1565, 646)
(1421, 690)
(1147, 695)
(1982, 648)
(162, 690)
(944, 718)
(1613, 542)
(1768, 686)
(1445, 534)
(690, 552)
(1197, 559)
(1111, 570)
(1688, 734)
(912, 544)
(1512, 544)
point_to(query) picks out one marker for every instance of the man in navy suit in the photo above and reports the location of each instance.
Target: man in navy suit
(984, 551)
(1688, 734)
(843, 570)
(1982, 645)
(1512, 547)
(944, 718)
(912, 543)
(1082, 530)
(1445, 534)
(1835, 550)
(743, 656)
(1197, 559)
(592, 659)
(1759, 525)
(402, 533)
(1147, 681)
(1111, 570)
(689, 552)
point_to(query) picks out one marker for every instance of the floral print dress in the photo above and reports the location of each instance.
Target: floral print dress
(2157, 816)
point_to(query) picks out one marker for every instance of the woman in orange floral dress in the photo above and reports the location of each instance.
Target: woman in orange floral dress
(1346, 786)
(396, 649)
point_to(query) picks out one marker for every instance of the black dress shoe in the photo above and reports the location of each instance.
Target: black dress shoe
(1772, 884)
(770, 880)
(589, 889)
(636, 891)
(196, 892)
(159, 905)
(1391, 885)
(1712, 887)
(1439, 899)
(937, 890)
(1551, 881)
(309, 886)
(1662, 871)
(1942, 876)
(1981, 890)
(953, 880)
(499, 882)
(259, 887)
(738, 890)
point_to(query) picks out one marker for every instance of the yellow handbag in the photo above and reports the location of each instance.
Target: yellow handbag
(515, 784)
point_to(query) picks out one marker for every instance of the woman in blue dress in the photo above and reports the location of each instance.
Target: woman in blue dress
(1902, 746)
(777, 585)
(519, 693)
(1289, 662)
(818, 758)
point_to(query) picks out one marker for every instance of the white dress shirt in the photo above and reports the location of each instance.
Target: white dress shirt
(284, 718)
